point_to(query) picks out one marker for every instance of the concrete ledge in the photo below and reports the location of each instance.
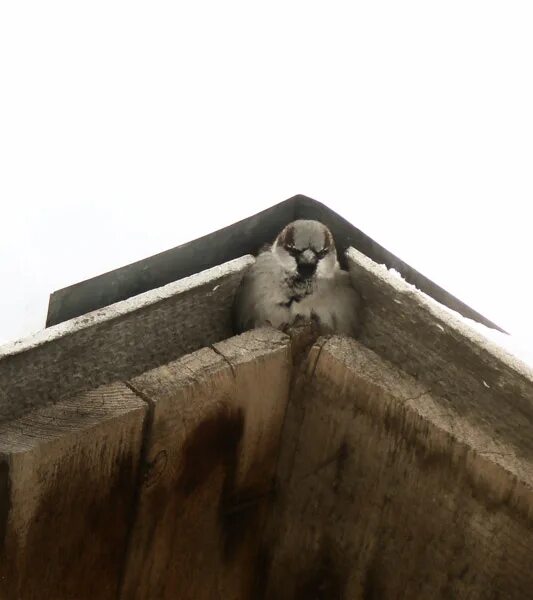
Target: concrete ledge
(119, 341)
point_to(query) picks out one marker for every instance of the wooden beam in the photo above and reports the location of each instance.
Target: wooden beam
(491, 389)
(387, 493)
(68, 476)
(119, 341)
(210, 462)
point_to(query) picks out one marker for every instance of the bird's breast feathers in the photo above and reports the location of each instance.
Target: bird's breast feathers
(298, 277)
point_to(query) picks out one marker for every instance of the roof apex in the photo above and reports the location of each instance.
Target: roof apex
(243, 237)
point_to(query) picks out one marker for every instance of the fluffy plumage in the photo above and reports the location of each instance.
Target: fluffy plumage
(298, 277)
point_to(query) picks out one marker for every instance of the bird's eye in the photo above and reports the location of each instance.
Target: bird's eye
(322, 253)
(293, 251)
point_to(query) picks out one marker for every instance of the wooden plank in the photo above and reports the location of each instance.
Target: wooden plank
(211, 456)
(489, 388)
(384, 493)
(120, 341)
(68, 476)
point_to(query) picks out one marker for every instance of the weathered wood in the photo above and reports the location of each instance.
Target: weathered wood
(120, 341)
(404, 479)
(210, 461)
(492, 390)
(385, 492)
(68, 476)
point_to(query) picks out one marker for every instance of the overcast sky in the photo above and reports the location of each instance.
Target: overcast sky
(129, 128)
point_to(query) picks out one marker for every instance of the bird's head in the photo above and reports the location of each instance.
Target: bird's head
(306, 248)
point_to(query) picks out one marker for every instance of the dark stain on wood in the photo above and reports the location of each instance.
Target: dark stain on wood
(154, 469)
(7, 548)
(261, 568)
(340, 463)
(239, 516)
(214, 442)
(396, 423)
(76, 542)
(5, 502)
(372, 586)
(325, 579)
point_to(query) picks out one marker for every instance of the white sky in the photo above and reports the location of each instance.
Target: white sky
(128, 128)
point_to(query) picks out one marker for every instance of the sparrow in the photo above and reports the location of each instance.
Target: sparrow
(298, 278)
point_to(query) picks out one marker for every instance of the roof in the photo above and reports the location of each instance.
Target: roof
(126, 325)
(145, 434)
(241, 238)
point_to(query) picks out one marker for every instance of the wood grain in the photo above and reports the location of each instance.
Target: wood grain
(120, 341)
(384, 494)
(68, 476)
(210, 464)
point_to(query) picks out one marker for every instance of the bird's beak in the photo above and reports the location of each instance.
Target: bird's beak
(307, 262)
(308, 257)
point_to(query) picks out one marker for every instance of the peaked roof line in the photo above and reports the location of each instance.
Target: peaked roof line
(243, 237)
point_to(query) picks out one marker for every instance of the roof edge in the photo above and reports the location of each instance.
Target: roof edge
(231, 242)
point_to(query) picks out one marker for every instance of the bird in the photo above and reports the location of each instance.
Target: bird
(298, 278)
